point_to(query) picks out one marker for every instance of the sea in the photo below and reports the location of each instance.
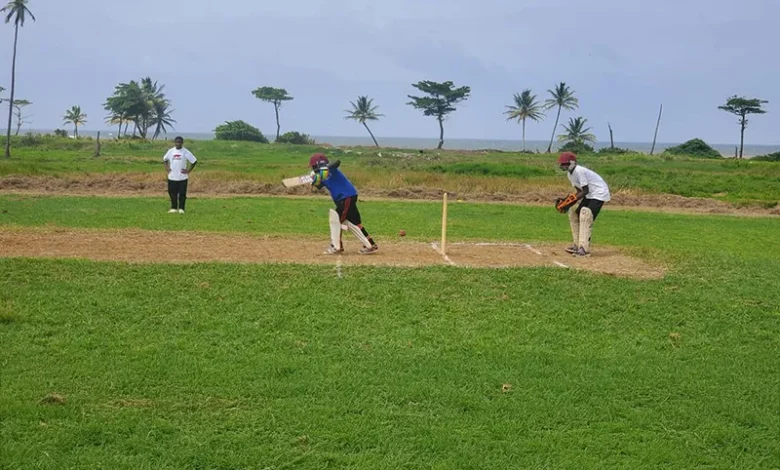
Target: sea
(727, 150)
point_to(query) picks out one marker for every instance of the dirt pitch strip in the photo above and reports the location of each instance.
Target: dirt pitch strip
(141, 246)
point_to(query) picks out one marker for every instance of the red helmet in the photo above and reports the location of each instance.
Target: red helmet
(566, 158)
(317, 160)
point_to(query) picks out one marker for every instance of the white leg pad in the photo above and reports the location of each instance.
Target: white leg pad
(359, 234)
(335, 229)
(586, 228)
(574, 221)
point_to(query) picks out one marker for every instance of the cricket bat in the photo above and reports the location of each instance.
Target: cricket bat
(297, 181)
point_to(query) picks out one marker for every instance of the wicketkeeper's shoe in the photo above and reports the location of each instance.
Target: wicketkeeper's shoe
(172, 211)
(571, 250)
(332, 250)
(369, 251)
(581, 253)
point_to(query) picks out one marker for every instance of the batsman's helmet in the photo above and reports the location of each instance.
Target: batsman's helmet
(317, 160)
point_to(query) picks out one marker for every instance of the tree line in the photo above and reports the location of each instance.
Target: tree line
(144, 105)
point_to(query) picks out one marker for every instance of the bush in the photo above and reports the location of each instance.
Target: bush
(577, 148)
(694, 148)
(60, 133)
(295, 138)
(772, 157)
(239, 130)
(613, 151)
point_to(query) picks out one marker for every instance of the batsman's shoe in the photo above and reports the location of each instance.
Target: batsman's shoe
(332, 250)
(181, 211)
(369, 251)
(172, 211)
(581, 253)
(571, 250)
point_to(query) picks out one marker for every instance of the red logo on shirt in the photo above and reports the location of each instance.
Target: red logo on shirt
(177, 156)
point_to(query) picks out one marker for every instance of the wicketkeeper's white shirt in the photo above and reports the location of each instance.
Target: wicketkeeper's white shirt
(597, 187)
(178, 159)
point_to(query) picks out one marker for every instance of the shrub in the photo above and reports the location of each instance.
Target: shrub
(613, 151)
(60, 133)
(772, 157)
(578, 148)
(694, 148)
(296, 138)
(239, 130)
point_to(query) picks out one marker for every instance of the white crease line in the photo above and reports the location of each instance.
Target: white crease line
(560, 264)
(338, 268)
(534, 250)
(435, 246)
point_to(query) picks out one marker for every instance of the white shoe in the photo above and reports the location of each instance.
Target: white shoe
(181, 211)
(369, 251)
(172, 211)
(332, 250)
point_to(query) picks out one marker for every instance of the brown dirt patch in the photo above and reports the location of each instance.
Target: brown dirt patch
(147, 184)
(140, 246)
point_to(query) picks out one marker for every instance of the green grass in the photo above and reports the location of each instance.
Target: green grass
(220, 366)
(737, 182)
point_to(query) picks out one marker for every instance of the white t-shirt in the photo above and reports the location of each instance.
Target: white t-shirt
(178, 159)
(597, 187)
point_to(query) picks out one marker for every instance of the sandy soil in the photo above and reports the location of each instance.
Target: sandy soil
(140, 246)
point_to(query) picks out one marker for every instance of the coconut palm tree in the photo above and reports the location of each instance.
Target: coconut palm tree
(18, 11)
(363, 111)
(525, 107)
(161, 117)
(76, 117)
(563, 98)
(576, 132)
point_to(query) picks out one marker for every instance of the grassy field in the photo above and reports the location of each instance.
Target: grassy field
(478, 174)
(222, 366)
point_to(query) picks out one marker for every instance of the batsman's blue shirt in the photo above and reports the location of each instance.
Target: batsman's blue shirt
(338, 185)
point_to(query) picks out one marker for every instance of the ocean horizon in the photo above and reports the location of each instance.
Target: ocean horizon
(727, 150)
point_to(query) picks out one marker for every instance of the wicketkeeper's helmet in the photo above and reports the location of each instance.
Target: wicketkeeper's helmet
(318, 160)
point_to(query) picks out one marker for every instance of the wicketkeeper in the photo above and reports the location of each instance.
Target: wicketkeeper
(592, 193)
(346, 216)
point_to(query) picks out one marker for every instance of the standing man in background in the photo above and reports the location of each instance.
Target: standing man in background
(175, 161)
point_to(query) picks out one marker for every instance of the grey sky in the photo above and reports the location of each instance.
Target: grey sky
(623, 57)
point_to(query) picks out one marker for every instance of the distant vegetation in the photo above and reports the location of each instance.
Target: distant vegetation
(772, 157)
(239, 130)
(694, 148)
(295, 138)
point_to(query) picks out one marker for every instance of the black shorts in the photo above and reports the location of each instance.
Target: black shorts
(593, 204)
(347, 210)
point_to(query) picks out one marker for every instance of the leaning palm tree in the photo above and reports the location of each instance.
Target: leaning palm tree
(161, 118)
(563, 98)
(525, 107)
(76, 117)
(576, 132)
(18, 11)
(363, 111)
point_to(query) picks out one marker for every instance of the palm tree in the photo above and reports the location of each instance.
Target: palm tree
(76, 117)
(525, 107)
(576, 132)
(18, 11)
(563, 98)
(363, 111)
(161, 117)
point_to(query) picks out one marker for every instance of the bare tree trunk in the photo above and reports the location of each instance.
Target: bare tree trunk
(558, 116)
(611, 139)
(11, 101)
(278, 127)
(441, 134)
(371, 133)
(656, 128)
(97, 146)
(76, 130)
(742, 136)
(523, 134)
(18, 119)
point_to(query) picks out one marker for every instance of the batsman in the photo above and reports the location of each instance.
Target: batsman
(346, 216)
(592, 193)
